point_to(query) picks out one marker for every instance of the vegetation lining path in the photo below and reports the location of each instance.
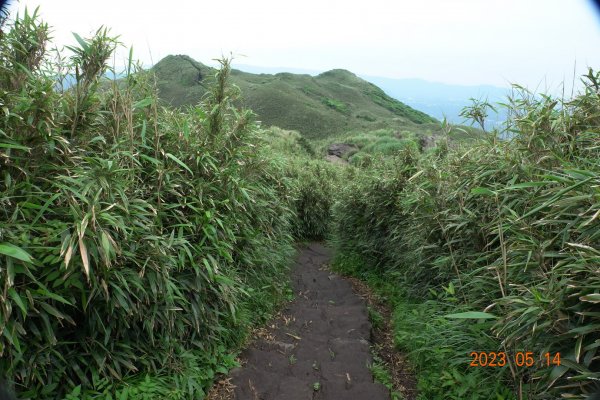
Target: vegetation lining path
(319, 346)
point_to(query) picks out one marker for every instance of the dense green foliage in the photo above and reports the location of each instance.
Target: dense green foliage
(377, 145)
(435, 344)
(138, 244)
(312, 181)
(334, 102)
(314, 184)
(509, 228)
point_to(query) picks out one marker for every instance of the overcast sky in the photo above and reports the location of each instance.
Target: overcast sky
(533, 42)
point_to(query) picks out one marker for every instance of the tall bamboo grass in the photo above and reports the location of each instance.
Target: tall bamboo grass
(134, 239)
(511, 228)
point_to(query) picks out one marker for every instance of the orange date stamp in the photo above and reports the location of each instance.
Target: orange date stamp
(520, 359)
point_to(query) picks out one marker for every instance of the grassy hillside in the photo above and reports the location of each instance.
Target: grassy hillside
(334, 102)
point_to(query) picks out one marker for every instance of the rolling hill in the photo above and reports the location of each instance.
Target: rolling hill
(331, 103)
(437, 99)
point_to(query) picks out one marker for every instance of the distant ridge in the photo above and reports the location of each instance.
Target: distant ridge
(332, 102)
(436, 99)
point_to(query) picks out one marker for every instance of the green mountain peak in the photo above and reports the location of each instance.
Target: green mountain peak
(333, 102)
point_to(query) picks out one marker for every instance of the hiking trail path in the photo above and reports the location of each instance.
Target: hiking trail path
(318, 347)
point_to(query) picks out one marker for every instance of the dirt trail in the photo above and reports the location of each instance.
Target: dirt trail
(318, 348)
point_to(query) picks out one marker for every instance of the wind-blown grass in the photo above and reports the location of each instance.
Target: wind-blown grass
(506, 227)
(135, 240)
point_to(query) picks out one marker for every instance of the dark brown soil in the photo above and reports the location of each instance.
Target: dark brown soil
(403, 379)
(318, 347)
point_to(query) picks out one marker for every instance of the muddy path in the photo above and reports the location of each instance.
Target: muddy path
(318, 347)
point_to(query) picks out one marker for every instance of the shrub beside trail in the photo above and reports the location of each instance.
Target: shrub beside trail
(137, 243)
(505, 228)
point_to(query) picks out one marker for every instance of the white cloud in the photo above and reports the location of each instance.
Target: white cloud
(460, 41)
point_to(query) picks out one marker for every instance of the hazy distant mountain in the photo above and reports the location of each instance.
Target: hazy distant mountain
(440, 99)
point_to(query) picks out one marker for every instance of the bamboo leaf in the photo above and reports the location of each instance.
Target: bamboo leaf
(84, 257)
(526, 185)
(45, 207)
(591, 298)
(178, 161)
(483, 191)
(556, 197)
(143, 103)
(12, 339)
(13, 251)
(68, 255)
(84, 45)
(14, 146)
(17, 299)
(578, 348)
(471, 315)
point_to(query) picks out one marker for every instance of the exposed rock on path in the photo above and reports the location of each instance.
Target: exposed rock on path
(340, 149)
(335, 159)
(318, 348)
